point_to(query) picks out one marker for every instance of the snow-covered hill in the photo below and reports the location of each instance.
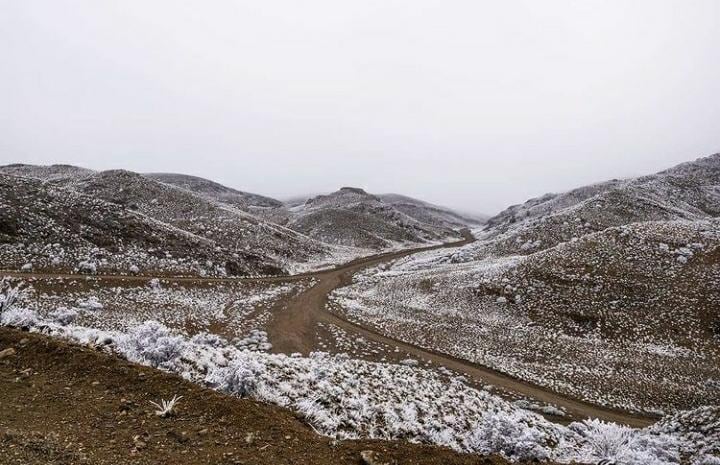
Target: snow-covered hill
(213, 191)
(46, 227)
(353, 217)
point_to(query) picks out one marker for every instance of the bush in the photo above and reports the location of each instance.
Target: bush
(64, 316)
(19, 318)
(511, 436)
(239, 377)
(152, 343)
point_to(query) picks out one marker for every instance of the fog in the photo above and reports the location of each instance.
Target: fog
(471, 104)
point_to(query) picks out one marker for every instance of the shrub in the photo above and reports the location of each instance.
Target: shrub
(19, 318)
(152, 343)
(240, 377)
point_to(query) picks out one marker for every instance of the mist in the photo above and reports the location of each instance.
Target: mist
(470, 104)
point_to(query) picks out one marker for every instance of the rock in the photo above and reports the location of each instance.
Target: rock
(139, 443)
(370, 457)
(9, 352)
(250, 438)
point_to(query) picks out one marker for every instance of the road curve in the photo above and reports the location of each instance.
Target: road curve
(293, 329)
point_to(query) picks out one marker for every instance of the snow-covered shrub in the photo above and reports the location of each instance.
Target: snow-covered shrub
(511, 436)
(707, 460)
(87, 267)
(8, 295)
(152, 343)
(620, 444)
(209, 339)
(240, 377)
(64, 316)
(19, 318)
(91, 303)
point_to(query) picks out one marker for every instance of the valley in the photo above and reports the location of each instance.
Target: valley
(591, 313)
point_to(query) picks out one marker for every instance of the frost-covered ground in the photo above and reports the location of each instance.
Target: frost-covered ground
(621, 318)
(346, 398)
(232, 310)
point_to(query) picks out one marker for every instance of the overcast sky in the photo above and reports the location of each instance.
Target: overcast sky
(472, 104)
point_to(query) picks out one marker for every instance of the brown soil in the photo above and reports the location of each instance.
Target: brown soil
(66, 404)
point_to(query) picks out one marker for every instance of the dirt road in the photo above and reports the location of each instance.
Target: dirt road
(293, 329)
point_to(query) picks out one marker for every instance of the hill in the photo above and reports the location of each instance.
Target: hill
(609, 292)
(353, 217)
(52, 228)
(216, 192)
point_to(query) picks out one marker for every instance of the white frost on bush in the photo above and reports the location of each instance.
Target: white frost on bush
(19, 318)
(64, 316)
(91, 303)
(151, 343)
(87, 267)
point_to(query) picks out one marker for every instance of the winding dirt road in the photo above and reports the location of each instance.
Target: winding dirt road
(294, 329)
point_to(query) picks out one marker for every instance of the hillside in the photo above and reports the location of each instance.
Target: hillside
(112, 418)
(431, 214)
(353, 217)
(216, 192)
(226, 226)
(51, 228)
(609, 293)
(248, 234)
(690, 191)
(46, 173)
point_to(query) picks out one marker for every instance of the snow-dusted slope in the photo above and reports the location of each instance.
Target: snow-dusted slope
(690, 191)
(214, 191)
(242, 242)
(352, 217)
(430, 214)
(46, 173)
(47, 227)
(226, 226)
(609, 293)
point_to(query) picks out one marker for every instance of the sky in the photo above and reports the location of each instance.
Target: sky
(471, 104)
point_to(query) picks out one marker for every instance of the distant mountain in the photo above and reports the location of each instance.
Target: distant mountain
(353, 217)
(229, 227)
(46, 173)
(239, 243)
(242, 233)
(431, 214)
(214, 191)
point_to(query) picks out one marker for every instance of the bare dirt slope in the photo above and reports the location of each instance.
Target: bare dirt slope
(65, 404)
